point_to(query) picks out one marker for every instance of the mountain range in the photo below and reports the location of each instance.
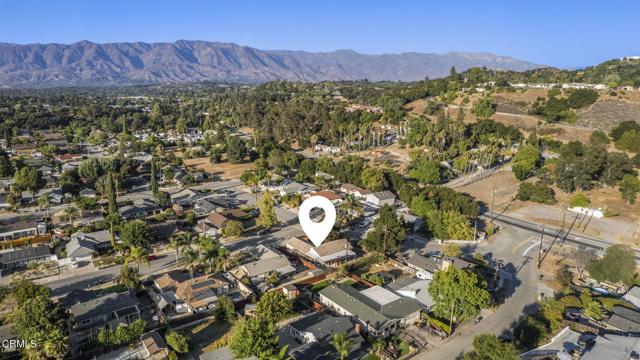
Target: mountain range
(91, 64)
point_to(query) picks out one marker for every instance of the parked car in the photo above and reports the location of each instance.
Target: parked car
(573, 313)
(152, 257)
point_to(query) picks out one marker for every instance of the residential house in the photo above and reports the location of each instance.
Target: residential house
(425, 267)
(154, 346)
(203, 207)
(185, 197)
(328, 194)
(72, 165)
(414, 288)
(327, 253)
(169, 281)
(24, 149)
(203, 227)
(22, 228)
(326, 149)
(45, 170)
(15, 259)
(381, 198)
(88, 193)
(354, 191)
(109, 310)
(314, 333)
(633, 296)
(201, 293)
(379, 311)
(291, 291)
(65, 158)
(54, 195)
(86, 217)
(293, 187)
(570, 344)
(83, 246)
(139, 209)
(166, 286)
(219, 220)
(265, 261)
(624, 319)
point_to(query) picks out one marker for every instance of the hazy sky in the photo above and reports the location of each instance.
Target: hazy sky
(560, 33)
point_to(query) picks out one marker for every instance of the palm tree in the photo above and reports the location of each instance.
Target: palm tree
(224, 258)
(138, 255)
(56, 345)
(190, 260)
(342, 344)
(71, 212)
(208, 258)
(128, 276)
(280, 355)
(377, 346)
(180, 241)
(206, 243)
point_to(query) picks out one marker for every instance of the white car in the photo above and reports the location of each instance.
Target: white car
(74, 265)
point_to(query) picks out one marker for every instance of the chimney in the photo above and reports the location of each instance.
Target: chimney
(358, 328)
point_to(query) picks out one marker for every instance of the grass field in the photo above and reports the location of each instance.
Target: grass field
(319, 286)
(224, 170)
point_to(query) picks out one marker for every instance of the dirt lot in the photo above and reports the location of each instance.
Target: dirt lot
(624, 228)
(208, 336)
(621, 229)
(606, 114)
(529, 95)
(225, 169)
(505, 184)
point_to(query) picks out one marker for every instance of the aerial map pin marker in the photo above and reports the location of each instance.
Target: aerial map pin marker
(317, 231)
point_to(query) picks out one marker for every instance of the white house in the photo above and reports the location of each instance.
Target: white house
(381, 198)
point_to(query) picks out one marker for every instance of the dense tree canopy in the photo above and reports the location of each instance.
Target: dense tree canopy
(458, 292)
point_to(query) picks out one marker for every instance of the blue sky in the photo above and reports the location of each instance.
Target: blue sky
(560, 33)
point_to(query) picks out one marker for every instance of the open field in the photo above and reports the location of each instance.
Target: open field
(606, 114)
(624, 228)
(504, 183)
(207, 335)
(224, 170)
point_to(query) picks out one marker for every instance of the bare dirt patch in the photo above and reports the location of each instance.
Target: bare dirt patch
(528, 96)
(606, 114)
(620, 229)
(224, 170)
(504, 183)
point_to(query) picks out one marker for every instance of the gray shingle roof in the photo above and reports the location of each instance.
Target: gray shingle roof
(323, 326)
(84, 244)
(367, 310)
(105, 304)
(24, 254)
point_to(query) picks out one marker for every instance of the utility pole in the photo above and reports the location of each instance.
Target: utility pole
(451, 317)
(493, 202)
(540, 249)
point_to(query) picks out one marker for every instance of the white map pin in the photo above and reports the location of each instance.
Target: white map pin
(317, 232)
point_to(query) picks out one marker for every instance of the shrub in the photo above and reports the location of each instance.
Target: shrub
(536, 192)
(579, 200)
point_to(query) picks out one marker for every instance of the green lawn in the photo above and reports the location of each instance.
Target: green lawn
(371, 357)
(405, 348)
(319, 286)
(348, 281)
